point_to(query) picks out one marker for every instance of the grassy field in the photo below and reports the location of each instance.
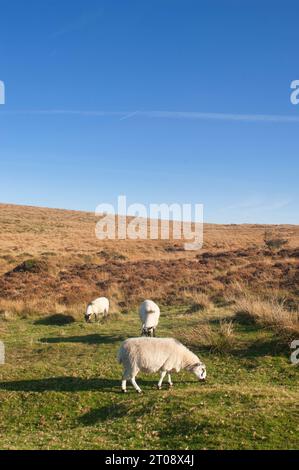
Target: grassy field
(60, 389)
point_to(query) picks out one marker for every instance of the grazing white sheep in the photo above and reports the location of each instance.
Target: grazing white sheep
(149, 313)
(97, 307)
(164, 355)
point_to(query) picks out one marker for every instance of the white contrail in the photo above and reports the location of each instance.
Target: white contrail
(128, 116)
(219, 116)
(64, 112)
(190, 115)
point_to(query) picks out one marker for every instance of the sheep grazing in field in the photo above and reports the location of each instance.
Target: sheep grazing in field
(164, 355)
(97, 307)
(149, 313)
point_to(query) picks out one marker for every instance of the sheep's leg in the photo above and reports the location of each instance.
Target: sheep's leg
(126, 376)
(138, 389)
(154, 332)
(124, 385)
(163, 373)
(169, 381)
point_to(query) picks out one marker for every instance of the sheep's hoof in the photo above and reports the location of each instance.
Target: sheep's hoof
(139, 391)
(124, 391)
(159, 387)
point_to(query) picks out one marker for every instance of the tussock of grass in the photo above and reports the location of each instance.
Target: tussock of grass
(199, 301)
(270, 313)
(221, 339)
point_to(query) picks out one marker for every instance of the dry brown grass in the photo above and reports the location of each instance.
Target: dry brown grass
(199, 301)
(269, 313)
(10, 308)
(69, 236)
(221, 339)
(51, 261)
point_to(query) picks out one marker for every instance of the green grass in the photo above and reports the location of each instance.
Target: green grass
(60, 389)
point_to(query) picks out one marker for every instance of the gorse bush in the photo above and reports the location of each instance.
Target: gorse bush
(32, 266)
(275, 243)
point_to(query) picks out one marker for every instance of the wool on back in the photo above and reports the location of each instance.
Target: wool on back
(154, 354)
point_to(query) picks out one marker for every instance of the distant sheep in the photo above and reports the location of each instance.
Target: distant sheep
(149, 313)
(97, 307)
(164, 355)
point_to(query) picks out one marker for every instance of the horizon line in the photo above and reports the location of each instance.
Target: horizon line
(32, 206)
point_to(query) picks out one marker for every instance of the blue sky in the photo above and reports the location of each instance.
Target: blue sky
(160, 100)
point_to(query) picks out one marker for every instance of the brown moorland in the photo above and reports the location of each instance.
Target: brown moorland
(51, 257)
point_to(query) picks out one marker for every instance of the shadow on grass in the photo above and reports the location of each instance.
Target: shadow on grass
(260, 348)
(61, 384)
(255, 349)
(56, 319)
(78, 384)
(241, 323)
(87, 339)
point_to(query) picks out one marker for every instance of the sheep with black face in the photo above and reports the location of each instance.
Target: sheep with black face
(96, 308)
(149, 313)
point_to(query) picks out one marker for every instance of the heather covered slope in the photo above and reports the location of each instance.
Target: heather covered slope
(50, 256)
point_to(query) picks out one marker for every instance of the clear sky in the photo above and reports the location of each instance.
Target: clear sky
(160, 100)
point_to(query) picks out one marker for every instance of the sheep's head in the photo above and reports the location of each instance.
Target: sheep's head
(147, 331)
(200, 371)
(88, 314)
